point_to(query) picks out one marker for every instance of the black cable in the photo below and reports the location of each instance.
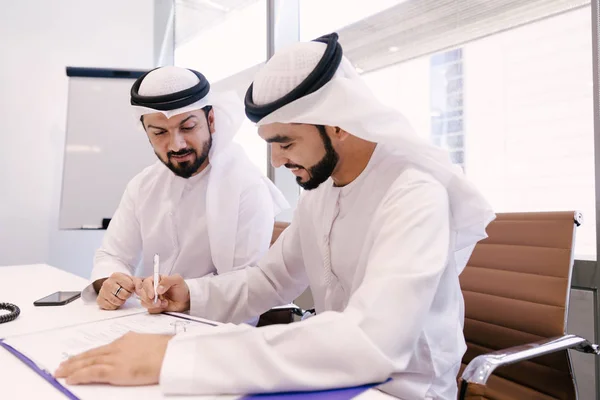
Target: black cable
(14, 312)
(463, 390)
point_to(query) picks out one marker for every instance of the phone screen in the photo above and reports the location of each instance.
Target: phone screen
(59, 297)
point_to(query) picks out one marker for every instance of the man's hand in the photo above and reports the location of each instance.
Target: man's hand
(174, 294)
(107, 300)
(134, 359)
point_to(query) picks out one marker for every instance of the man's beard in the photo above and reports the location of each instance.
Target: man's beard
(323, 169)
(186, 169)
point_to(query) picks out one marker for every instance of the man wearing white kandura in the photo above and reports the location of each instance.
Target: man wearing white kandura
(204, 208)
(381, 234)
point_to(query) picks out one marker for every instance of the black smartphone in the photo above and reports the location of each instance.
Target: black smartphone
(57, 299)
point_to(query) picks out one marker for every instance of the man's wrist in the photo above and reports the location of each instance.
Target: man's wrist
(97, 284)
(187, 305)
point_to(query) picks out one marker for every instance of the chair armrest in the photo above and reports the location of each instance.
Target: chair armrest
(482, 367)
(294, 309)
(280, 315)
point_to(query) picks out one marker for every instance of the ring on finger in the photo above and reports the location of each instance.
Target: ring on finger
(116, 294)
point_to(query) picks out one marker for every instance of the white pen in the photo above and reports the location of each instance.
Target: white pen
(156, 266)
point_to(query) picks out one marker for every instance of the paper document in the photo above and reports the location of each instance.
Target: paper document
(48, 349)
(74, 313)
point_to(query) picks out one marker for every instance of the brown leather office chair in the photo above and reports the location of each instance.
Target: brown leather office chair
(516, 288)
(278, 228)
(278, 315)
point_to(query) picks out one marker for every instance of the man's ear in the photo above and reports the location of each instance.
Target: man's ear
(339, 133)
(210, 118)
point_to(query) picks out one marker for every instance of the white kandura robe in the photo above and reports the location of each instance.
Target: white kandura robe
(377, 256)
(166, 214)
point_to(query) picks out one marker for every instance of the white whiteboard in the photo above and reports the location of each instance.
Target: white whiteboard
(104, 148)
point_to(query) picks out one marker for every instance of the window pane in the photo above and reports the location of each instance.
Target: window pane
(218, 40)
(225, 43)
(515, 110)
(255, 147)
(529, 119)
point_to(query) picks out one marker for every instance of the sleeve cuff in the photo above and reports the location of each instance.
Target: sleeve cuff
(177, 372)
(88, 294)
(198, 298)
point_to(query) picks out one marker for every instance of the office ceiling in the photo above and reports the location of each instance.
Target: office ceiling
(407, 30)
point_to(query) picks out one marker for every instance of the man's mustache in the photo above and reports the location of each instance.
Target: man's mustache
(180, 153)
(290, 166)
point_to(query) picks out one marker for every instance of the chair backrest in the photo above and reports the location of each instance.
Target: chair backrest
(516, 290)
(277, 229)
(273, 316)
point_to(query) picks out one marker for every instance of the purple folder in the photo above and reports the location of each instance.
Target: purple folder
(331, 394)
(40, 371)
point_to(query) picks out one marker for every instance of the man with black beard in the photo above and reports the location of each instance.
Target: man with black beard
(205, 209)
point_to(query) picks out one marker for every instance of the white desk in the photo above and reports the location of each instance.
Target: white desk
(24, 284)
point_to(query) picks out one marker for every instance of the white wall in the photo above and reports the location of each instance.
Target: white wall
(38, 39)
